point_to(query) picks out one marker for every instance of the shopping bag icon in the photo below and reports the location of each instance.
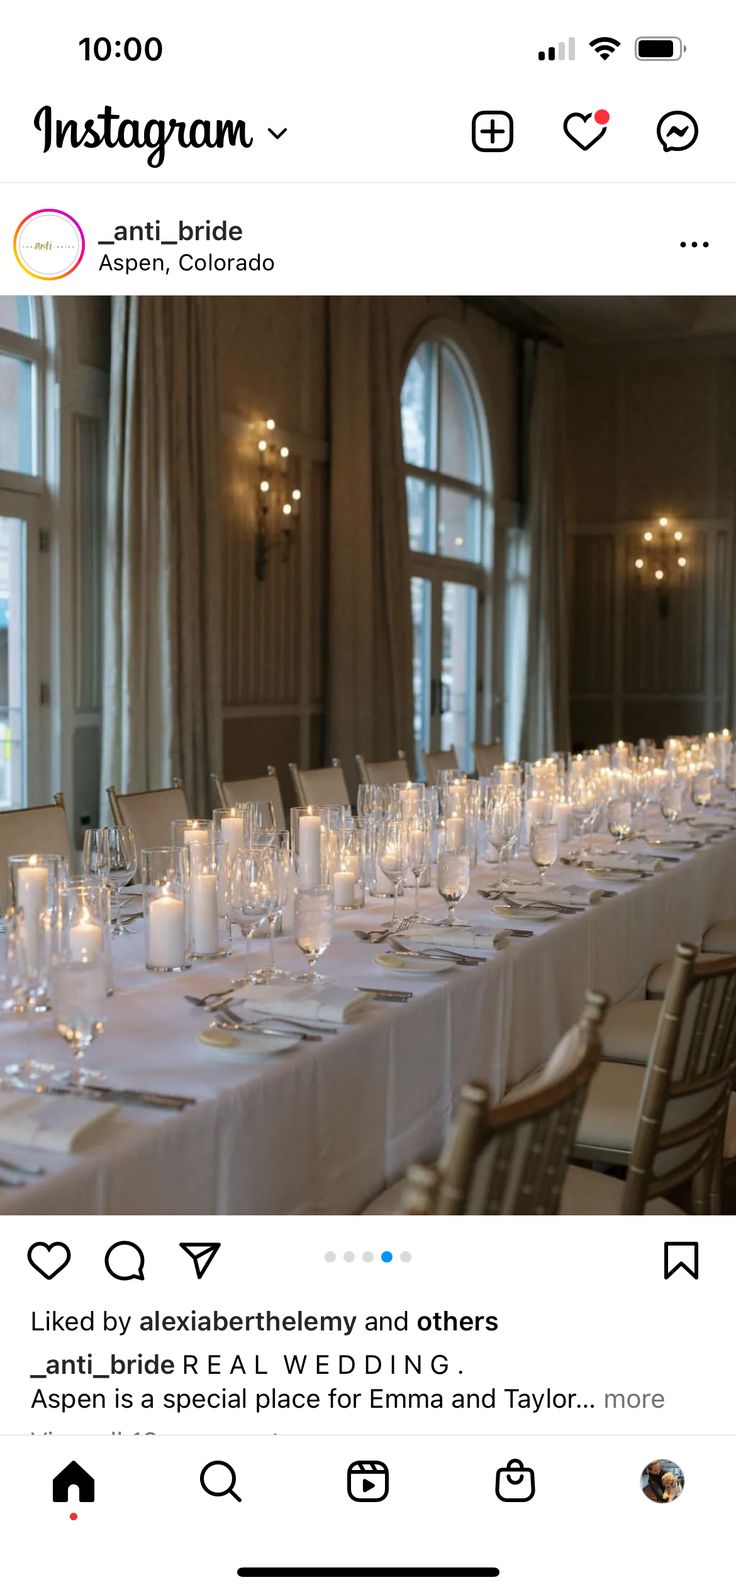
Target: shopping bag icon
(515, 1483)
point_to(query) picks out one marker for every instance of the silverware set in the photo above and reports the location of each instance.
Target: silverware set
(103, 1093)
(377, 936)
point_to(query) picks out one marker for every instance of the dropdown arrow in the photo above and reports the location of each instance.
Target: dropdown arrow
(277, 135)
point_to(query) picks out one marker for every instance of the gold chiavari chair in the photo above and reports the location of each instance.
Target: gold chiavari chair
(230, 792)
(24, 830)
(320, 787)
(395, 772)
(436, 763)
(149, 813)
(510, 1160)
(674, 1123)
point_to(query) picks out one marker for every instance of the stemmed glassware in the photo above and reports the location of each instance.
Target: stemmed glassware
(13, 981)
(505, 825)
(281, 865)
(253, 897)
(314, 916)
(543, 845)
(79, 988)
(420, 853)
(392, 856)
(619, 819)
(453, 879)
(670, 802)
(702, 788)
(122, 861)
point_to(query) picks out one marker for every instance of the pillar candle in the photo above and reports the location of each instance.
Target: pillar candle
(344, 889)
(166, 932)
(231, 829)
(203, 914)
(456, 833)
(86, 939)
(33, 900)
(562, 820)
(198, 841)
(310, 852)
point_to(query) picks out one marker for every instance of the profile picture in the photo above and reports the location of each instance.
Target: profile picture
(662, 1481)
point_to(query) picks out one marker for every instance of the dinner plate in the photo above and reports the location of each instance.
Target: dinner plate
(624, 875)
(239, 1043)
(400, 962)
(534, 914)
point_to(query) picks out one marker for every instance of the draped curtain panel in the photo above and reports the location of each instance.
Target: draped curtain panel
(162, 601)
(371, 703)
(546, 719)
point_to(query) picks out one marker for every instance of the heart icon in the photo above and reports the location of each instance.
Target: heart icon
(589, 127)
(49, 1259)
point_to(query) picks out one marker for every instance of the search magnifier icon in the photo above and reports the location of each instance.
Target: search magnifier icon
(218, 1479)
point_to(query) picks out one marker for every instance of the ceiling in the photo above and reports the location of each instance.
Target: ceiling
(595, 320)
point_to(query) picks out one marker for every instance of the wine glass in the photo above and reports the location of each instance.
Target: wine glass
(702, 788)
(96, 852)
(670, 802)
(507, 825)
(259, 821)
(619, 819)
(420, 851)
(13, 984)
(251, 897)
(543, 843)
(79, 989)
(392, 856)
(122, 861)
(314, 916)
(281, 865)
(453, 880)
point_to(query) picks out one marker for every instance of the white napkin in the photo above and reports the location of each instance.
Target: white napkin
(459, 939)
(556, 894)
(327, 1002)
(51, 1122)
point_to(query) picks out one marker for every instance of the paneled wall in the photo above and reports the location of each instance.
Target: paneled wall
(651, 431)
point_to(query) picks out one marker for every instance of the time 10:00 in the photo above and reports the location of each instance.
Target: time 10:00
(132, 49)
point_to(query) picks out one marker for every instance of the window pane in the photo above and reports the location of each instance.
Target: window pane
(459, 655)
(459, 526)
(16, 414)
(420, 502)
(459, 440)
(419, 408)
(12, 647)
(421, 612)
(17, 314)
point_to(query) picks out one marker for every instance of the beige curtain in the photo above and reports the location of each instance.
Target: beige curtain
(370, 702)
(161, 676)
(546, 719)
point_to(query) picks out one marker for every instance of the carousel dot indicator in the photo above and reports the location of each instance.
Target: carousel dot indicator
(330, 1256)
(386, 1255)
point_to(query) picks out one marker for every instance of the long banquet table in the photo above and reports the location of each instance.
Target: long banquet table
(325, 1126)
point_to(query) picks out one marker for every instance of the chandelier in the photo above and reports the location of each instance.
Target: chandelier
(277, 498)
(662, 563)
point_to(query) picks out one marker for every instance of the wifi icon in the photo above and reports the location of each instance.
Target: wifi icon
(605, 47)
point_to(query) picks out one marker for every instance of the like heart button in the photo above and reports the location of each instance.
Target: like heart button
(49, 1259)
(586, 128)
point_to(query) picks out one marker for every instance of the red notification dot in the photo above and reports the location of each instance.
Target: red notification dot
(72, 1517)
(601, 117)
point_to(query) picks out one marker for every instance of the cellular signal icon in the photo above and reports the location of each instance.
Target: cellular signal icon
(605, 47)
(559, 52)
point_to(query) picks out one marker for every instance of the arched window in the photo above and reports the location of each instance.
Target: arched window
(21, 491)
(448, 485)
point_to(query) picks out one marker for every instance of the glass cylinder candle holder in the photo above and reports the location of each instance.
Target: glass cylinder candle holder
(348, 882)
(34, 882)
(312, 848)
(229, 827)
(165, 874)
(198, 834)
(84, 922)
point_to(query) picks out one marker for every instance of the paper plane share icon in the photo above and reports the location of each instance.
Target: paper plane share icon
(202, 1255)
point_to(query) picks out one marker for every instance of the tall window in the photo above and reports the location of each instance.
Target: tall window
(21, 351)
(448, 486)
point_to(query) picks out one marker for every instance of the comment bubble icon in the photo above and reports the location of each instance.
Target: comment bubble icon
(125, 1261)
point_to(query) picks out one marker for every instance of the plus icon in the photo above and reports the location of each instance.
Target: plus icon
(493, 132)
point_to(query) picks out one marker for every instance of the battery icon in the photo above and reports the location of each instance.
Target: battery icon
(659, 49)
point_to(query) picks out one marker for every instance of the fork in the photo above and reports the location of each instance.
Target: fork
(439, 955)
(375, 936)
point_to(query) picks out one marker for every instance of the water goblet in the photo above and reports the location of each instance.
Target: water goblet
(314, 915)
(619, 819)
(543, 845)
(252, 896)
(670, 802)
(122, 861)
(420, 851)
(79, 987)
(392, 856)
(453, 880)
(702, 788)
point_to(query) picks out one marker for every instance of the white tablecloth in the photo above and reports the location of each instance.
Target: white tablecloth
(324, 1127)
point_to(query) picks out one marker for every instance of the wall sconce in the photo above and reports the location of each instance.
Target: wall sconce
(663, 561)
(277, 499)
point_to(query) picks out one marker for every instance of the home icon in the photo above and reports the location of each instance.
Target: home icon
(73, 1476)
